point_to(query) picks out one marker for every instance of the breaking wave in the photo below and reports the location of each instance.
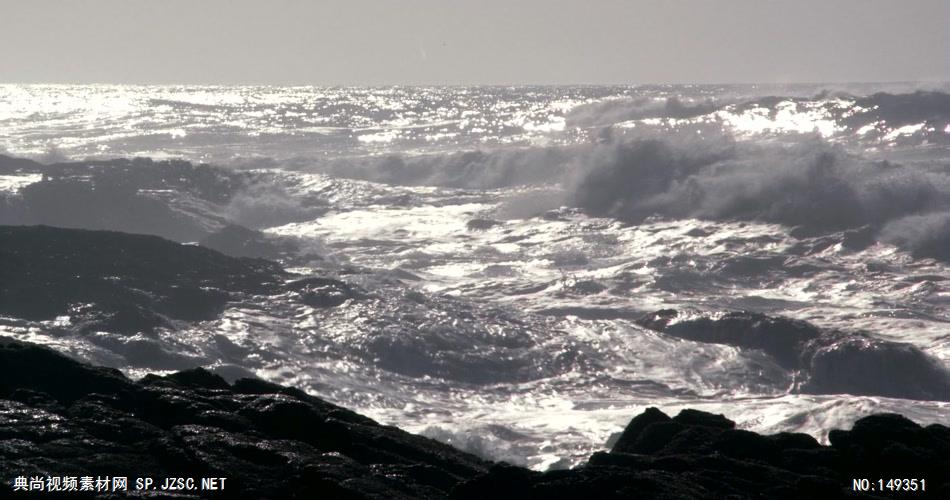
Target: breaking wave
(809, 184)
(813, 185)
(475, 263)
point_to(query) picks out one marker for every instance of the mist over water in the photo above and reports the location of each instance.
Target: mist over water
(509, 248)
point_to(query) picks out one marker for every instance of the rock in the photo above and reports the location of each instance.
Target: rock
(120, 282)
(323, 292)
(481, 224)
(636, 426)
(58, 416)
(514, 482)
(826, 361)
(794, 441)
(860, 365)
(703, 419)
(699, 455)
(197, 377)
(12, 166)
(782, 338)
(35, 368)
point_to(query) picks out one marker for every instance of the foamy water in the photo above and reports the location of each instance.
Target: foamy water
(506, 237)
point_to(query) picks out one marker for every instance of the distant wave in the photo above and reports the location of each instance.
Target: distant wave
(901, 109)
(811, 184)
(921, 117)
(621, 110)
(470, 169)
(810, 181)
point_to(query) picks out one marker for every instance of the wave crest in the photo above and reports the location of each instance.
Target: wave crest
(813, 185)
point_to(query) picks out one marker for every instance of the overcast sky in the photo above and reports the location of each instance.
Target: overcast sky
(365, 42)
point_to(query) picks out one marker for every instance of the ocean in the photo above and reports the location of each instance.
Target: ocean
(538, 264)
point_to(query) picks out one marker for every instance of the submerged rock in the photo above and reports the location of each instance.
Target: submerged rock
(827, 361)
(323, 292)
(783, 339)
(481, 224)
(861, 365)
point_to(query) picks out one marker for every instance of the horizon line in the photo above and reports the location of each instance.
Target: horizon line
(523, 84)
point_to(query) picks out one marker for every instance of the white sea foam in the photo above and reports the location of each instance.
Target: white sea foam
(502, 277)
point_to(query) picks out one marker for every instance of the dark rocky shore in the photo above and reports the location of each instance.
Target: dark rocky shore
(130, 283)
(61, 417)
(120, 281)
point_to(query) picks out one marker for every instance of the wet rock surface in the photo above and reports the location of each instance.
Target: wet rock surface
(700, 455)
(120, 282)
(323, 292)
(826, 361)
(481, 224)
(61, 417)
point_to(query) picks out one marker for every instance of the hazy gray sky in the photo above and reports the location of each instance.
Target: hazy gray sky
(469, 42)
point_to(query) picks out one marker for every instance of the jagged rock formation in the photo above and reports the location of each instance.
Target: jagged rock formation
(119, 282)
(128, 283)
(700, 455)
(61, 417)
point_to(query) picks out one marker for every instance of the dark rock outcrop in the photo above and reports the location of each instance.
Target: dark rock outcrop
(12, 166)
(323, 292)
(858, 364)
(826, 361)
(481, 224)
(61, 417)
(128, 283)
(783, 339)
(700, 455)
(120, 282)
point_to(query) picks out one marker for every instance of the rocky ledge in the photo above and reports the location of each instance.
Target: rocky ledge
(61, 417)
(700, 455)
(133, 283)
(120, 282)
